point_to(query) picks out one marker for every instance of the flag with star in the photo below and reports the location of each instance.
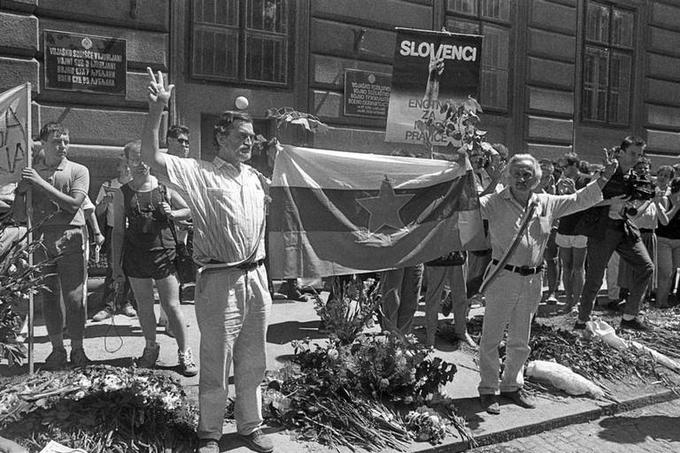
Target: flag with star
(336, 212)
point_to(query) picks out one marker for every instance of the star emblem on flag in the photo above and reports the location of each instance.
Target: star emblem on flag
(384, 209)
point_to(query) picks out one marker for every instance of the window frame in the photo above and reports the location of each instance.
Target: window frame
(610, 49)
(481, 22)
(243, 31)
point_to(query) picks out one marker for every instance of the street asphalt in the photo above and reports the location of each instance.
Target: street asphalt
(118, 340)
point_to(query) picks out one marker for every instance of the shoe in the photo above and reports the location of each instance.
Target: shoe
(615, 305)
(78, 358)
(295, 294)
(551, 300)
(520, 398)
(149, 356)
(633, 324)
(467, 339)
(128, 310)
(56, 360)
(490, 404)
(208, 446)
(186, 363)
(102, 315)
(578, 325)
(257, 441)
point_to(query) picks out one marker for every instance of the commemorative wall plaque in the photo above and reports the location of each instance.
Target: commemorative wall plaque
(367, 94)
(76, 62)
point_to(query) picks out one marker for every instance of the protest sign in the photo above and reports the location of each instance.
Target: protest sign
(14, 149)
(430, 68)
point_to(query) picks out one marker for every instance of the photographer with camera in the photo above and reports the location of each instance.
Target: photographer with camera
(646, 219)
(609, 228)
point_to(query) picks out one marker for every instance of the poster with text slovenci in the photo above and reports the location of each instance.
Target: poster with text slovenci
(430, 68)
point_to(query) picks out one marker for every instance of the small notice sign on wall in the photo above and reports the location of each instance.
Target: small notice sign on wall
(76, 62)
(367, 94)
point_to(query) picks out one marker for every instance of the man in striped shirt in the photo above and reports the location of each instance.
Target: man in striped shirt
(227, 201)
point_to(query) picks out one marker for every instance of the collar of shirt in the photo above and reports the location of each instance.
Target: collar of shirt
(42, 166)
(224, 165)
(507, 194)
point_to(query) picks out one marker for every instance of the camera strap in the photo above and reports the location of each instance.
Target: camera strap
(524, 224)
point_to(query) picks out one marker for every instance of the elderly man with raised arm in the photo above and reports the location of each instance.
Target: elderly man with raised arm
(513, 297)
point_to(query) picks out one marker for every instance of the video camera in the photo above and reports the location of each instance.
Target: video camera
(634, 186)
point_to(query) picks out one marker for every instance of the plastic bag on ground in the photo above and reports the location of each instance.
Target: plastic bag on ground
(563, 378)
(607, 334)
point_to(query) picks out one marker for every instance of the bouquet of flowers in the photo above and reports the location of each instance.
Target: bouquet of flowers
(100, 408)
(355, 394)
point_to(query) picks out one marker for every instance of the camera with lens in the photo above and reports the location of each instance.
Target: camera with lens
(634, 186)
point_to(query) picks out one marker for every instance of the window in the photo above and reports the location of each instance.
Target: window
(490, 18)
(607, 64)
(241, 41)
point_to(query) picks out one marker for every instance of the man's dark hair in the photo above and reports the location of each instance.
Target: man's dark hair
(632, 140)
(572, 159)
(227, 121)
(176, 130)
(52, 128)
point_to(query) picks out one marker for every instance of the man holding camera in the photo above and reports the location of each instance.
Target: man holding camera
(609, 229)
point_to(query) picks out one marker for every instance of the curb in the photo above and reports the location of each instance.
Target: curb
(553, 423)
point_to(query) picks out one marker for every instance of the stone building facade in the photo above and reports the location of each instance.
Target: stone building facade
(557, 75)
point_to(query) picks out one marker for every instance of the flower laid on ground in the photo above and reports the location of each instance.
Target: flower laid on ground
(100, 408)
(355, 395)
(426, 425)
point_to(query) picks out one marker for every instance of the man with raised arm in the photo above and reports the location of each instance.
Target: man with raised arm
(513, 297)
(227, 201)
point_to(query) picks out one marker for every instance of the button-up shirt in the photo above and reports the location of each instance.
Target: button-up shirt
(227, 206)
(505, 213)
(69, 178)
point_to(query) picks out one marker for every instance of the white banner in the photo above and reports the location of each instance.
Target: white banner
(14, 148)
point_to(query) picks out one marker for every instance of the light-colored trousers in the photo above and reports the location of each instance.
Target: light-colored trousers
(511, 300)
(232, 309)
(437, 278)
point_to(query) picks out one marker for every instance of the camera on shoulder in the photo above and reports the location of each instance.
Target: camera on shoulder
(633, 185)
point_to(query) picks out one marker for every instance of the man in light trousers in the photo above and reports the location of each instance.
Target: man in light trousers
(227, 201)
(513, 297)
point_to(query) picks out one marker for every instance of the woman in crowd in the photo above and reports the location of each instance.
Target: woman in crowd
(664, 176)
(668, 238)
(143, 212)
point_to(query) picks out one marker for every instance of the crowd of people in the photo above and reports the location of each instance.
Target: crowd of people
(555, 224)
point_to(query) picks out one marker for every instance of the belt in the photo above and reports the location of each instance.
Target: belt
(646, 230)
(521, 270)
(247, 266)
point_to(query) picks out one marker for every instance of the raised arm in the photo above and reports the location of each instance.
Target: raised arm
(158, 98)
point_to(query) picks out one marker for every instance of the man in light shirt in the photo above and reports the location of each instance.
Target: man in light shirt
(513, 297)
(227, 201)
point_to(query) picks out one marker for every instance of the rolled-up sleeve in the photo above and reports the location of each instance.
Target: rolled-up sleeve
(582, 199)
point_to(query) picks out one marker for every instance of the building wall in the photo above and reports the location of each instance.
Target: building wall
(545, 43)
(99, 124)
(661, 108)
